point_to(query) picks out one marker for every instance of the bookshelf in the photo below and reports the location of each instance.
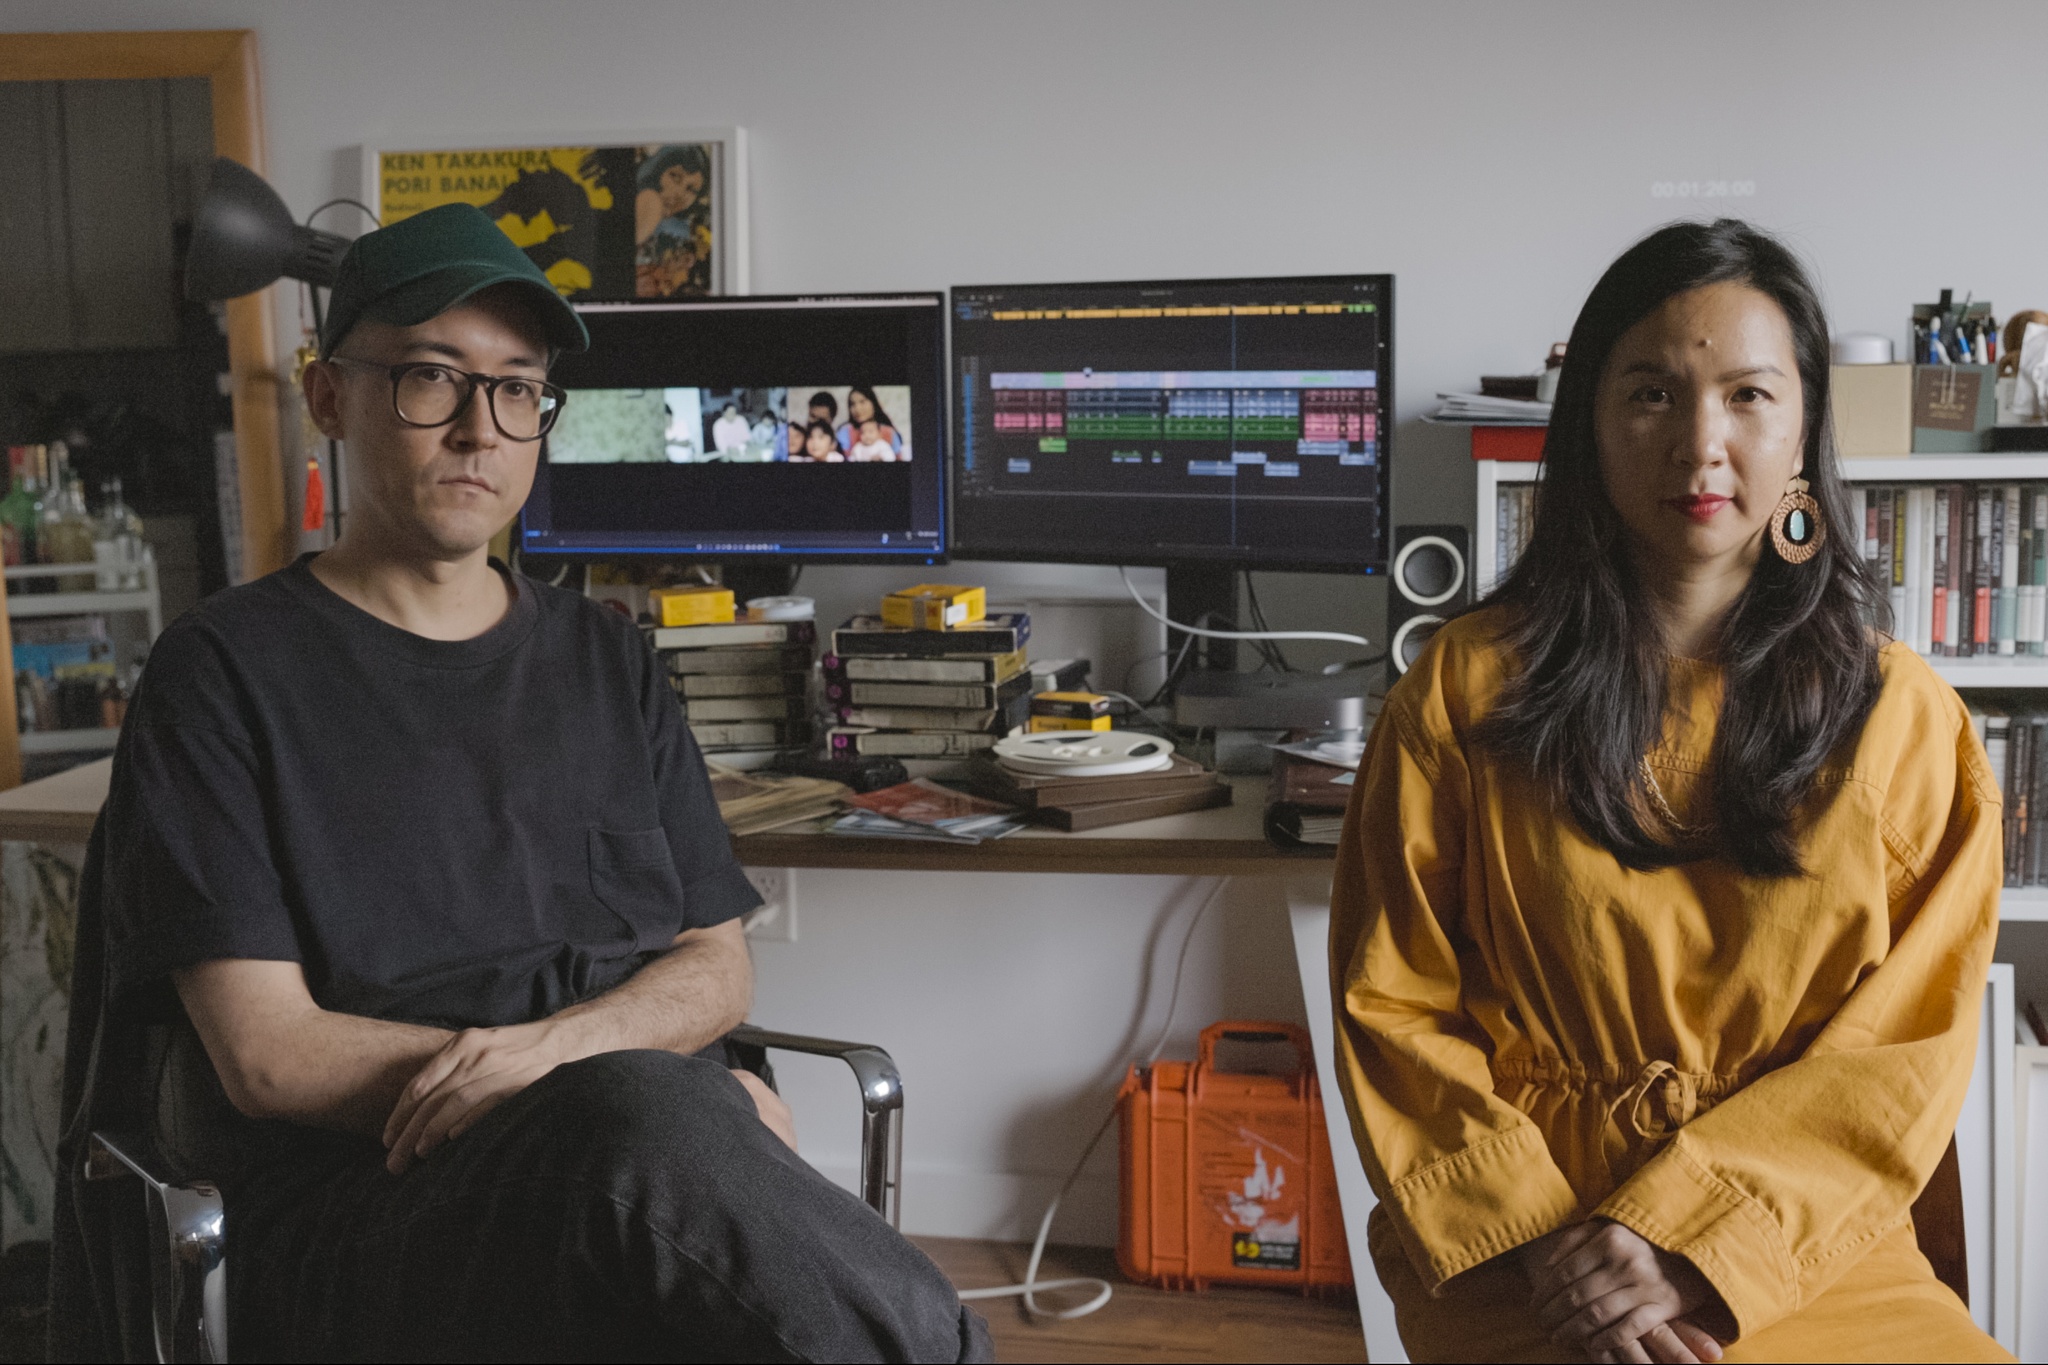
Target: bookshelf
(2028, 468)
(2018, 905)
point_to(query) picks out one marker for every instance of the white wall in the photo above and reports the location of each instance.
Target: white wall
(1492, 156)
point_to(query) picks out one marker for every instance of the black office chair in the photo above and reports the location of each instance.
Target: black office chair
(188, 1223)
(181, 1295)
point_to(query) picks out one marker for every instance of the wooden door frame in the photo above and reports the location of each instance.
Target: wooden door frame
(227, 59)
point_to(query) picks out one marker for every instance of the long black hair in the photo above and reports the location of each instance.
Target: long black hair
(867, 392)
(1586, 697)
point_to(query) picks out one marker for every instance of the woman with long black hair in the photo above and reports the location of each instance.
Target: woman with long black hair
(1661, 922)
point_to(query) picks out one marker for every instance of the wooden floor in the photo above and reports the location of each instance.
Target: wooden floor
(1146, 1324)
(1138, 1324)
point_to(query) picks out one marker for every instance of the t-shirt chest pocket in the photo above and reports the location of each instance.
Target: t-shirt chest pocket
(633, 876)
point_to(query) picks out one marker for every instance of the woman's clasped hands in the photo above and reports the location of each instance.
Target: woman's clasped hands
(1607, 1291)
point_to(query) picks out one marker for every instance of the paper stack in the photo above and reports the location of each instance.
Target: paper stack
(752, 802)
(1473, 409)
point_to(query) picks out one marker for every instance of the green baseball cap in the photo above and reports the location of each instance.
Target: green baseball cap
(422, 266)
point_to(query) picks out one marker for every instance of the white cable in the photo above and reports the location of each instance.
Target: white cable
(1032, 1285)
(1146, 607)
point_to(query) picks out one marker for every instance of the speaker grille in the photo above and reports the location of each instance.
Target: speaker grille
(1429, 571)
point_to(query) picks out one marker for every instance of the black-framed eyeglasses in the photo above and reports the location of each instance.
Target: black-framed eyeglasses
(427, 393)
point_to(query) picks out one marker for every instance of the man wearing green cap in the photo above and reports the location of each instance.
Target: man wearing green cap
(420, 863)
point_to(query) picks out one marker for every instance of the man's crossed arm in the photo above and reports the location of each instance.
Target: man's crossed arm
(280, 1056)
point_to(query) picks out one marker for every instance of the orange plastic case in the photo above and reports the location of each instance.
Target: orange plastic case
(1226, 1176)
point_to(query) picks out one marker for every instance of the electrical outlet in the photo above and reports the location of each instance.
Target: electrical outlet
(775, 919)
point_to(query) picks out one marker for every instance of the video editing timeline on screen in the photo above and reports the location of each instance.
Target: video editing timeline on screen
(1236, 420)
(805, 428)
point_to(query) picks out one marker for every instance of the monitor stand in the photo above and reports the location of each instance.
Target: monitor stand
(749, 580)
(1197, 588)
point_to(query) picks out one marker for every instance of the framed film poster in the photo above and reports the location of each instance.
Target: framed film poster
(610, 220)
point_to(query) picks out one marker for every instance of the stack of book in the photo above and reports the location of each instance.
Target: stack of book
(1076, 801)
(928, 693)
(744, 685)
(1966, 564)
(1311, 788)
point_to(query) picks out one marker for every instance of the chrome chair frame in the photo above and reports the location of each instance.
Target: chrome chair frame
(188, 1264)
(188, 1268)
(881, 1101)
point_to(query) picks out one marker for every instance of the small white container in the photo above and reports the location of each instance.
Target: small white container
(1863, 348)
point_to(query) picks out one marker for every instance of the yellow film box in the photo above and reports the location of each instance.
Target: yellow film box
(934, 606)
(1072, 705)
(693, 605)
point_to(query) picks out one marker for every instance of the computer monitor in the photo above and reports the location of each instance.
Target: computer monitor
(749, 429)
(1222, 423)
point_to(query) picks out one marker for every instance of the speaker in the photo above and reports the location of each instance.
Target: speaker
(1429, 577)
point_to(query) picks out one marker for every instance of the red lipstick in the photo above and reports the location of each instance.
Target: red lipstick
(1699, 507)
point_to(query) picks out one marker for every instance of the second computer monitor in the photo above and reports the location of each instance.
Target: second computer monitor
(735, 429)
(1239, 422)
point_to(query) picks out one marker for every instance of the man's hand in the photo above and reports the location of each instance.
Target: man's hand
(471, 1075)
(480, 1068)
(1618, 1297)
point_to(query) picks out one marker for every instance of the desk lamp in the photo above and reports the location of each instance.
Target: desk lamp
(243, 238)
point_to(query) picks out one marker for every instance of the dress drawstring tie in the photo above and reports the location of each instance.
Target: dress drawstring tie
(1662, 1100)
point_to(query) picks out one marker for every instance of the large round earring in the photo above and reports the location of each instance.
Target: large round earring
(1797, 531)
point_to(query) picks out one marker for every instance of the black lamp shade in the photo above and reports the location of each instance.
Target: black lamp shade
(243, 238)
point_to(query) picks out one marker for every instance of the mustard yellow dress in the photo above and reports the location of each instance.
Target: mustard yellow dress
(1758, 1074)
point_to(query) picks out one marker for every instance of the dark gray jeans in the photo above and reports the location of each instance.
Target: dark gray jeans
(630, 1206)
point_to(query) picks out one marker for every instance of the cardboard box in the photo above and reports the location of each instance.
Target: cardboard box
(934, 606)
(1954, 408)
(1070, 711)
(690, 606)
(1039, 725)
(1873, 410)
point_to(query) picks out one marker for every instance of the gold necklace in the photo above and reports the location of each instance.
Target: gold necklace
(1678, 826)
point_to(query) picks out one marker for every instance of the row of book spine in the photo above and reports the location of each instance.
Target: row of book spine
(2017, 745)
(1514, 516)
(1966, 565)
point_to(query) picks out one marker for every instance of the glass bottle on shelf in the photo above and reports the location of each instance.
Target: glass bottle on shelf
(18, 508)
(49, 504)
(37, 487)
(117, 544)
(69, 532)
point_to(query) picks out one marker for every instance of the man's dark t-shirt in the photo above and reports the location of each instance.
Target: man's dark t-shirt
(466, 834)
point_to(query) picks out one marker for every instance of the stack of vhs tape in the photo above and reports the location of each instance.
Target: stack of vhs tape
(744, 685)
(930, 693)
